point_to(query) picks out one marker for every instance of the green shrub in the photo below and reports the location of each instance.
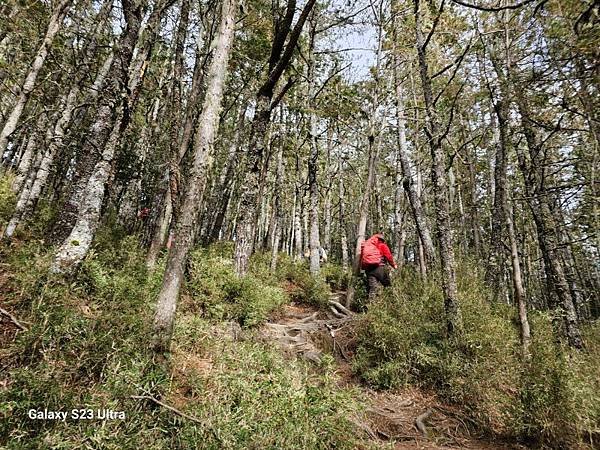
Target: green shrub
(8, 199)
(554, 398)
(87, 347)
(302, 286)
(335, 276)
(222, 295)
(560, 393)
(252, 397)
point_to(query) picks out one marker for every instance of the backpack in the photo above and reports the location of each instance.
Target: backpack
(370, 254)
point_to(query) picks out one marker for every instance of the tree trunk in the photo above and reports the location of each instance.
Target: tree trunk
(313, 187)
(28, 200)
(363, 214)
(278, 210)
(519, 291)
(111, 121)
(496, 262)
(440, 187)
(342, 218)
(408, 182)
(546, 224)
(29, 84)
(278, 62)
(327, 203)
(208, 124)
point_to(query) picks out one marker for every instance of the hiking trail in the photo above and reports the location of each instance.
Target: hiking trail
(409, 418)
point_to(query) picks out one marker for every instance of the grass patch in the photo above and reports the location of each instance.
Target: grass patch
(88, 347)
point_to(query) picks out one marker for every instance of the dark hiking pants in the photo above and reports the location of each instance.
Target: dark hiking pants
(377, 276)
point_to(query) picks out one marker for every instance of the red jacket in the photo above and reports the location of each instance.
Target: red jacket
(383, 249)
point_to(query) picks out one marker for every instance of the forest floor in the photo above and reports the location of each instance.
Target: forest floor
(410, 418)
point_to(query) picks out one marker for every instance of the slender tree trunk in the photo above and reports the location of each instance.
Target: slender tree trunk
(170, 198)
(29, 84)
(29, 154)
(313, 187)
(440, 185)
(408, 183)
(278, 62)
(208, 124)
(495, 267)
(278, 210)
(342, 218)
(28, 200)
(546, 224)
(161, 230)
(519, 291)
(327, 203)
(363, 214)
(298, 217)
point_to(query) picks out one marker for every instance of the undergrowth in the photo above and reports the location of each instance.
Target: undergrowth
(87, 346)
(7, 198)
(553, 399)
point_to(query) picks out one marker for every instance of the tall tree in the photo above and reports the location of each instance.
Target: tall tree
(29, 83)
(435, 137)
(185, 228)
(279, 59)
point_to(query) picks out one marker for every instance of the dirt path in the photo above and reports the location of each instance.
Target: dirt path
(409, 419)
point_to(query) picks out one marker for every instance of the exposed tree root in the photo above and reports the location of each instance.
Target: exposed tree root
(170, 408)
(388, 416)
(13, 319)
(298, 335)
(420, 422)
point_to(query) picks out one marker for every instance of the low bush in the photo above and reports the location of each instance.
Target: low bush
(295, 276)
(302, 286)
(87, 346)
(222, 295)
(553, 399)
(336, 276)
(250, 396)
(7, 198)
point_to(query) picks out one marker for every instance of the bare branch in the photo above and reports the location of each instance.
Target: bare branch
(493, 8)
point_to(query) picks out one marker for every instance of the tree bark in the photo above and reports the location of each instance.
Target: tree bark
(408, 183)
(313, 187)
(546, 224)
(208, 124)
(111, 121)
(278, 210)
(278, 62)
(342, 218)
(29, 84)
(519, 291)
(440, 184)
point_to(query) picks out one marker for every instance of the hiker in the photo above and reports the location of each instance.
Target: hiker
(374, 255)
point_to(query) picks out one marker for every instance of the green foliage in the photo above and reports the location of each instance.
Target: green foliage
(7, 198)
(87, 347)
(335, 276)
(222, 295)
(553, 398)
(295, 276)
(560, 395)
(302, 287)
